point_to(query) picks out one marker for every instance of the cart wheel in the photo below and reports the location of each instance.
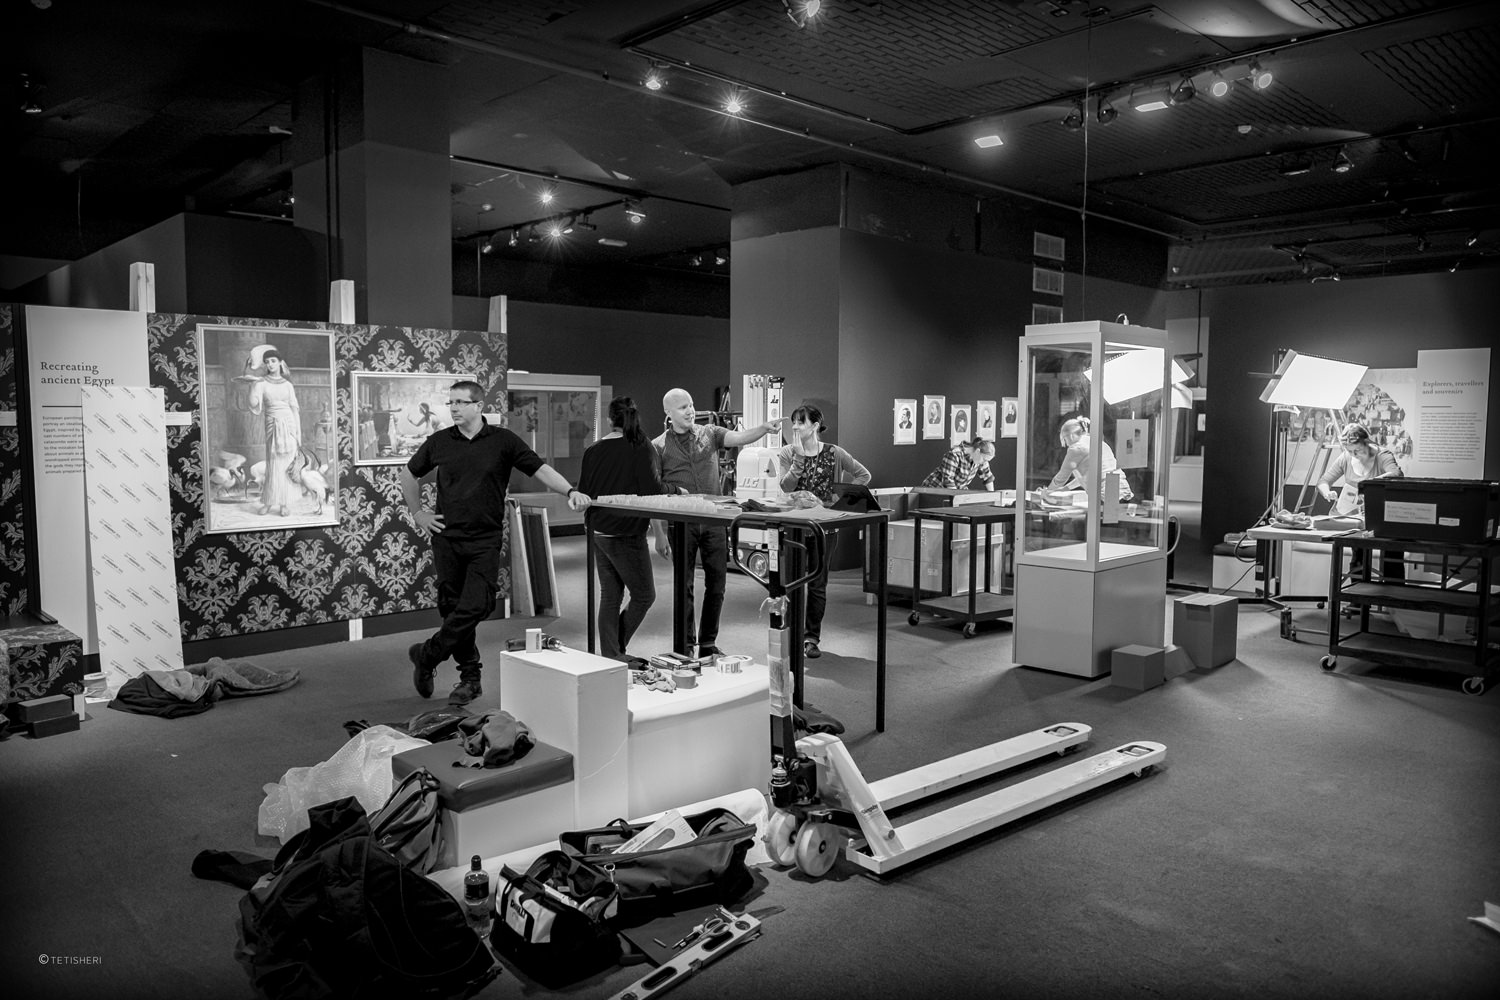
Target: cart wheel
(1329, 662)
(1291, 633)
(913, 619)
(1473, 685)
(818, 846)
(781, 838)
(970, 630)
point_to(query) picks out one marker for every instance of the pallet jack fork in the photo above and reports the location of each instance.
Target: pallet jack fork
(810, 835)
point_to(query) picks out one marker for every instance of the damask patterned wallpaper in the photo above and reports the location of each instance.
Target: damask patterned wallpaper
(12, 547)
(373, 562)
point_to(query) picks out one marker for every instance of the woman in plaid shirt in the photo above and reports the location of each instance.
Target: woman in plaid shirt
(960, 465)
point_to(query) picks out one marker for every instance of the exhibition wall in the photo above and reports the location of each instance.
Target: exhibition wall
(1379, 322)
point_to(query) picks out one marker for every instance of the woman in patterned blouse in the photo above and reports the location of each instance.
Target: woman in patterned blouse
(812, 464)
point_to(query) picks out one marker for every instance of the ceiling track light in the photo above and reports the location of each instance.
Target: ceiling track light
(802, 11)
(1185, 91)
(1106, 112)
(1152, 99)
(634, 214)
(655, 77)
(1219, 86)
(1074, 120)
(1296, 168)
(515, 237)
(29, 90)
(1260, 78)
(734, 104)
(1473, 239)
(1454, 268)
(1422, 244)
(1341, 163)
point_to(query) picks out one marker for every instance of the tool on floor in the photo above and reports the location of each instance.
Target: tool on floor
(720, 935)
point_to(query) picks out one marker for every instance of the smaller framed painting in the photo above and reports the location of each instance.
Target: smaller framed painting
(904, 417)
(932, 417)
(395, 411)
(1010, 416)
(963, 425)
(984, 419)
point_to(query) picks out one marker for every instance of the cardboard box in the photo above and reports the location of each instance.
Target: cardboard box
(1139, 668)
(59, 724)
(1207, 626)
(24, 713)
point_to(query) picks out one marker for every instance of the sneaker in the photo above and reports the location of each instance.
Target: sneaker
(464, 692)
(810, 649)
(421, 676)
(709, 651)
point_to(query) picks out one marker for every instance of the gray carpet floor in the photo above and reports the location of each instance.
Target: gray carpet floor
(1310, 834)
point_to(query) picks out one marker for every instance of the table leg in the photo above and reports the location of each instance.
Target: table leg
(681, 574)
(588, 572)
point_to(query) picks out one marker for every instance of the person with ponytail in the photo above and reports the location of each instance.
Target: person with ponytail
(621, 463)
(1077, 463)
(961, 464)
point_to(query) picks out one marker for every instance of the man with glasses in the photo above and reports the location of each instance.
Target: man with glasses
(473, 460)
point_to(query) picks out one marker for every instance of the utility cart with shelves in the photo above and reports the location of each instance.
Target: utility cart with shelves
(1453, 593)
(980, 603)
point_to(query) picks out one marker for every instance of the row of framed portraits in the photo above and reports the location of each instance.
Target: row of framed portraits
(958, 423)
(270, 414)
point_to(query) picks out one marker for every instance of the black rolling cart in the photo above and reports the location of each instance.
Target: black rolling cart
(1465, 572)
(978, 605)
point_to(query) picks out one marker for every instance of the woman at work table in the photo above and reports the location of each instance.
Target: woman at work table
(1077, 463)
(1358, 461)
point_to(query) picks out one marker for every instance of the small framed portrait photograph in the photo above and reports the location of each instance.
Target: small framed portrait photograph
(963, 425)
(395, 411)
(1010, 416)
(933, 408)
(984, 419)
(269, 441)
(904, 412)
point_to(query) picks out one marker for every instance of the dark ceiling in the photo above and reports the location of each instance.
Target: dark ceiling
(154, 106)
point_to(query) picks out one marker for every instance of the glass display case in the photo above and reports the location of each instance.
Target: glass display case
(1091, 498)
(558, 416)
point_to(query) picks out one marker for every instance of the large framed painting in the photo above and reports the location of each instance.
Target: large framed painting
(395, 411)
(269, 440)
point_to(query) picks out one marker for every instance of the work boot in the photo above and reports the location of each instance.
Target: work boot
(421, 674)
(468, 688)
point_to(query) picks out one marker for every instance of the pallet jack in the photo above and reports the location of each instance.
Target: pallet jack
(823, 804)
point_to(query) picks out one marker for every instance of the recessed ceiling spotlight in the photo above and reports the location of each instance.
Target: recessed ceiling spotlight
(546, 196)
(989, 141)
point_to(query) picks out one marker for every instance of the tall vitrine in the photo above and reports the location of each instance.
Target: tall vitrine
(1091, 498)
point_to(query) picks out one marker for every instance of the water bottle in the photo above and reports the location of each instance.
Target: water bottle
(477, 897)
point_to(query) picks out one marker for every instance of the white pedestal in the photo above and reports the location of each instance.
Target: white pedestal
(576, 701)
(695, 744)
(1070, 620)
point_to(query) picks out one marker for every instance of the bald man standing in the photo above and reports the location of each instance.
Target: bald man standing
(687, 461)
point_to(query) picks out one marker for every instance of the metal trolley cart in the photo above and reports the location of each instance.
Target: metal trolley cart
(979, 604)
(1459, 600)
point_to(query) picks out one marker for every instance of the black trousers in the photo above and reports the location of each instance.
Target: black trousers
(468, 577)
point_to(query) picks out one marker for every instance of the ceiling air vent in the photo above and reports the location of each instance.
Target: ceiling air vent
(1046, 280)
(1048, 247)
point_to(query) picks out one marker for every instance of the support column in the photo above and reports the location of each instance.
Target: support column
(373, 177)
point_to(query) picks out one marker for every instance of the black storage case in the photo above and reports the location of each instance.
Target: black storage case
(1460, 511)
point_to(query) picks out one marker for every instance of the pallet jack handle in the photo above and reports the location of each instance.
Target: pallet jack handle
(813, 550)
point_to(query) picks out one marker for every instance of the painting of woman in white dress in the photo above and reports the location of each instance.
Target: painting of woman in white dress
(268, 428)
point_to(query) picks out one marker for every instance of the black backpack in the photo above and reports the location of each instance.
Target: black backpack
(339, 916)
(407, 825)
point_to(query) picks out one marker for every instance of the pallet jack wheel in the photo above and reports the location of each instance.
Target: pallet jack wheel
(781, 838)
(818, 846)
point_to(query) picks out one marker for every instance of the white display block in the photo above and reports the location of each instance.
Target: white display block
(694, 744)
(576, 701)
(1075, 618)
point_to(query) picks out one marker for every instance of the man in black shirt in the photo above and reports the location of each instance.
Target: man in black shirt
(473, 460)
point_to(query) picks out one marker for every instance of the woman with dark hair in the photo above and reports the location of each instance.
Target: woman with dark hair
(1359, 459)
(621, 463)
(812, 464)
